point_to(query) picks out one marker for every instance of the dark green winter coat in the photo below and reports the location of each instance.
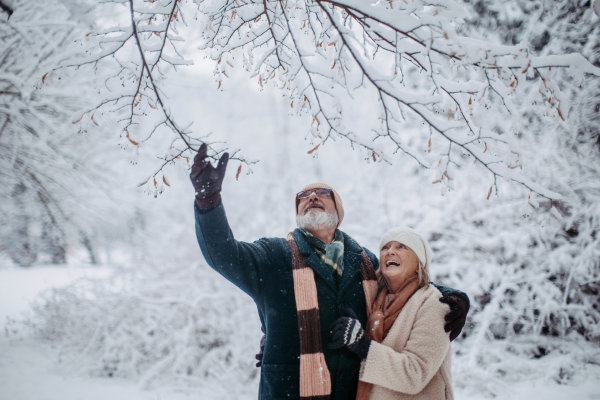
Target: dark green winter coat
(263, 270)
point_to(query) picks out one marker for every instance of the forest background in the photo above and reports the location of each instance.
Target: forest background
(157, 315)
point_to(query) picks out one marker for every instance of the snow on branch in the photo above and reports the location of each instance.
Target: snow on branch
(470, 93)
(134, 60)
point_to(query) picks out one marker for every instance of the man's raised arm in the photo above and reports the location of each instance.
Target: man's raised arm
(240, 263)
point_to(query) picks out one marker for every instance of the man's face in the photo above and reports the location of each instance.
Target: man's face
(316, 203)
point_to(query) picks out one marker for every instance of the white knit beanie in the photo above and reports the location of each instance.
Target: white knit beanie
(412, 240)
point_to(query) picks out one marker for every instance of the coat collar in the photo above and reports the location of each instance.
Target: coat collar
(313, 260)
(352, 261)
(302, 243)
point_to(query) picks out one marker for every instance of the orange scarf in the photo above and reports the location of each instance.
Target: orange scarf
(382, 318)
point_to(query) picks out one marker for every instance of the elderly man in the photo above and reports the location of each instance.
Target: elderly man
(301, 286)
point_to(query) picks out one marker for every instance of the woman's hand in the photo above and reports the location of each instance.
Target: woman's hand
(347, 331)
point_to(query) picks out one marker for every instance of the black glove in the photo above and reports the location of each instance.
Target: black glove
(457, 316)
(259, 356)
(347, 331)
(206, 179)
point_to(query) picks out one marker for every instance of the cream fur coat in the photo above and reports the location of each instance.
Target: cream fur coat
(413, 361)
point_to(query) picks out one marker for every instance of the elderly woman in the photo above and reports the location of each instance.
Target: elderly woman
(405, 350)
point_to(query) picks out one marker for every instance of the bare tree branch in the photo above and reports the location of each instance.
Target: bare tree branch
(6, 8)
(124, 53)
(320, 49)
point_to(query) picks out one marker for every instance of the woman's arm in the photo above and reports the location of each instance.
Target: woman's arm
(410, 369)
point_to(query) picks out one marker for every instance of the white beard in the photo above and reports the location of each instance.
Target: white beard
(316, 219)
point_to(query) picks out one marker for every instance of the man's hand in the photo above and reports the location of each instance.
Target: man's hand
(457, 316)
(206, 179)
(347, 331)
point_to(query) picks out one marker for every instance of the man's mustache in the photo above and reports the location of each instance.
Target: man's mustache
(314, 204)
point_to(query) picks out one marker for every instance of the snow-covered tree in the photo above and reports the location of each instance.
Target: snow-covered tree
(446, 99)
(534, 279)
(48, 192)
(550, 28)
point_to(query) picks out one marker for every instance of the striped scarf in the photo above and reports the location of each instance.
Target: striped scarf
(331, 254)
(315, 381)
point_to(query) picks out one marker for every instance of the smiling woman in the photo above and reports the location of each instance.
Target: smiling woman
(397, 264)
(403, 253)
(406, 307)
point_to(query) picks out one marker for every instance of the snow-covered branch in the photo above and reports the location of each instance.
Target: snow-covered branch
(134, 61)
(467, 91)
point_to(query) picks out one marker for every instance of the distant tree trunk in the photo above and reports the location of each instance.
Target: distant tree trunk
(90, 248)
(21, 248)
(59, 254)
(54, 243)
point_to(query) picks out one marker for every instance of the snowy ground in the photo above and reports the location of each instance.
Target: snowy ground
(29, 370)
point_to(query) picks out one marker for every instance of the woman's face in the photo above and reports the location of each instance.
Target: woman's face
(397, 263)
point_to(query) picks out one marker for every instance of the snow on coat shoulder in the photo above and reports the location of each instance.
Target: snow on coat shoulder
(413, 361)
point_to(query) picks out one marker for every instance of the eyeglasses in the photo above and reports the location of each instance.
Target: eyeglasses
(319, 192)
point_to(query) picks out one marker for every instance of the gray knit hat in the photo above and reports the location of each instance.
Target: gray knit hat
(412, 240)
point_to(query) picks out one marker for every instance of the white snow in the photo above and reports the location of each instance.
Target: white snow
(29, 370)
(512, 256)
(20, 286)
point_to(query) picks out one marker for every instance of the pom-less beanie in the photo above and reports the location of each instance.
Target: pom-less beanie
(412, 240)
(336, 199)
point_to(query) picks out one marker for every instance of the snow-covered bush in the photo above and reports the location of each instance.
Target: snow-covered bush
(534, 278)
(179, 325)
